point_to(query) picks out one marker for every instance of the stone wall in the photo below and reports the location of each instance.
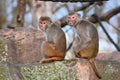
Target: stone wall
(20, 55)
(64, 70)
(21, 45)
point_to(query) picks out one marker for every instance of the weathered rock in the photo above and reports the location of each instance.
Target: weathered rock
(3, 50)
(4, 72)
(23, 45)
(110, 70)
(64, 70)
(60, 70)
(114, 56)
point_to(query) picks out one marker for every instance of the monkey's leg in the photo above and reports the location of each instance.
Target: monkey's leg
(52, 59)
(77, 54)
(91, 61)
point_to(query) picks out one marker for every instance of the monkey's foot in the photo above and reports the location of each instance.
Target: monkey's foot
(77, 55)
(46, 61)
(51, 59)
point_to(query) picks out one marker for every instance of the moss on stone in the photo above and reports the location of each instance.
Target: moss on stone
(53, 71)
(59, 70)
(110, 70)
(3, 51)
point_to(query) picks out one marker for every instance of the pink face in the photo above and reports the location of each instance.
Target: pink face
(71, 20)
(43, 25)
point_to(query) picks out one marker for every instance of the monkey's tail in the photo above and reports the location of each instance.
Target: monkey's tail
(91, 61)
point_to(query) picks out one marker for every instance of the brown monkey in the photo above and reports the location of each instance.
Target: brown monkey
(54, 48)
(86, 43)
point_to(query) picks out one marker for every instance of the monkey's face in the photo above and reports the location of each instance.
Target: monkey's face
(72, 20)
(43, 25)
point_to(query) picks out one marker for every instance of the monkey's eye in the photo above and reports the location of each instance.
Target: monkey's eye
(69, 17)
(43, 23)
(73, 17)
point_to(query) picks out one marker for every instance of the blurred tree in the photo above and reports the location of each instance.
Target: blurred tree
(2, 12)
(119, 32)
(14, 14)
(40, 8)
(21, 12)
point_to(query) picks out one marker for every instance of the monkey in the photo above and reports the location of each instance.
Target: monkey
(86, 43)
(54, 46)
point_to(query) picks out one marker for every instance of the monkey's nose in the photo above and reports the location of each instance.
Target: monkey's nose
(70, 23)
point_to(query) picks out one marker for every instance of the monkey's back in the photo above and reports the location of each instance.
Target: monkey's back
(57, 36)
(87, 31)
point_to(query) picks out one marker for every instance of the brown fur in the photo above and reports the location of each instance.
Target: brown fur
(44, 18)
(54, 48)
(86, 43)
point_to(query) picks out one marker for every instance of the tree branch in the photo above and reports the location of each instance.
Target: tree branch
(73, 0)
(21, 13)
(106, 16)
(62, 22)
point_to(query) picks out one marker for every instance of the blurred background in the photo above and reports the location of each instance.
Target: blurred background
(29, 11)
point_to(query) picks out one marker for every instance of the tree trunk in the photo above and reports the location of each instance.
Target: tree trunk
(2, 12)
(21, 13)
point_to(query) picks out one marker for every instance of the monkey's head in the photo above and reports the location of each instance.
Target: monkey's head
(73, 18)
(45, 22)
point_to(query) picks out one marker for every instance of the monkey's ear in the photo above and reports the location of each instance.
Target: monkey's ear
(50, 21)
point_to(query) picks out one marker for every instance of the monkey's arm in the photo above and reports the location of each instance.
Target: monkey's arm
(81, 43)
(50, 40)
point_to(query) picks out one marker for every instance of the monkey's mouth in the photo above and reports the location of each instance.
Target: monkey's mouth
(71, 23)
(43, 28)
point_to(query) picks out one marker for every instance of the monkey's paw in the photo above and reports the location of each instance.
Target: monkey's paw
(42, 61)
(46, 61)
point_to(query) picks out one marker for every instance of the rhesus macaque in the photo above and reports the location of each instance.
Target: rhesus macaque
(86, 43)
(54, 48)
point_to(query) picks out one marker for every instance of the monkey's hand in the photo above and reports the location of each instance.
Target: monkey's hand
(76, 53)
(76, 49)
(76, 45)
